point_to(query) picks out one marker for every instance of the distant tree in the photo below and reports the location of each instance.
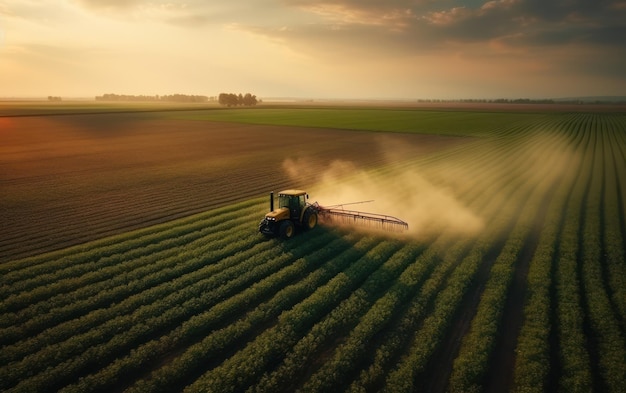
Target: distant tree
(54, 98)
(231, 99)
(142, 98)
(249, 100)
(228, 99)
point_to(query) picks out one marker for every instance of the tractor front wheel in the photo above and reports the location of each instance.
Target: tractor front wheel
(287, 229)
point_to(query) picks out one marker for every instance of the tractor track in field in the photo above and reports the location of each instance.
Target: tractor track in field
(500, 377)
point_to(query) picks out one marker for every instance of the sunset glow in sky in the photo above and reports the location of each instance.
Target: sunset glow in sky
(319, 49)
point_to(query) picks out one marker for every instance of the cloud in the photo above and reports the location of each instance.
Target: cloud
(367, 13)
(421, 23)
(394, 48)
(525, 35)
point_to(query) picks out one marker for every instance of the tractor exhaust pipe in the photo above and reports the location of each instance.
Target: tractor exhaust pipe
(272, 201)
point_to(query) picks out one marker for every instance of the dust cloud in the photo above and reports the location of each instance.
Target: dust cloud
(504, 178)
(398, 192)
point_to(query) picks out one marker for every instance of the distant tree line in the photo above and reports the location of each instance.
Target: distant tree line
(54, 98)
(163, 98)
(230, 99)
(578, 101)
(492, 101)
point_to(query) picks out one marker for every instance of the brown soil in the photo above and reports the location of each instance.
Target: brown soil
(69, 179)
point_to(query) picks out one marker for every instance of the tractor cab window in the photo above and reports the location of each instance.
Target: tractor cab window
(292, 202)
(283, 201)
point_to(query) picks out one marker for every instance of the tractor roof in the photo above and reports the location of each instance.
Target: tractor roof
(292, 192)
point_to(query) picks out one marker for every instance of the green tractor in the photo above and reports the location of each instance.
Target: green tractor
(293, 212)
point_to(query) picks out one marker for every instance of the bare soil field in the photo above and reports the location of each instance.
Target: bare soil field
(68, 179)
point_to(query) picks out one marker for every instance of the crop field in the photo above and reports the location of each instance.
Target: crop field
(130, 258)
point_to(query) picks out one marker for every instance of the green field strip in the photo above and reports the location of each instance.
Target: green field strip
(215, 341)
(608, 343)
(98, 347)
(134, 215)
(98, 342)
(430, 331)
(144, 278)
(103, 246)
(123, 252)
(333, 374)
(494, 295)
(614, 243)
(613, 240)
(54, 290)
(438, 263)
(420, 305)
(533, 361)
(159, 268)
(388, 120)
(322, 336)
(245, 367)
(448, 301)
(574, 359)
(471, 365)
(306, 348)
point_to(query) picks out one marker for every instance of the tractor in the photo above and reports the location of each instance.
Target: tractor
(293, 212)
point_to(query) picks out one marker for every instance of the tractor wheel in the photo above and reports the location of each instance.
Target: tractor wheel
(287, 229)
(310, 219)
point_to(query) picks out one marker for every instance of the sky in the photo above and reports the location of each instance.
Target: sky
(344, 49)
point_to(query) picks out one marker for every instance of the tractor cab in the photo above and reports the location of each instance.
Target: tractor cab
(294, 200)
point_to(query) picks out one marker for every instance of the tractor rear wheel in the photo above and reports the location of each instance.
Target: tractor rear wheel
(287, 229)
(310, 219)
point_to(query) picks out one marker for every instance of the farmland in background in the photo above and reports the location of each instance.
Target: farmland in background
(130, 258)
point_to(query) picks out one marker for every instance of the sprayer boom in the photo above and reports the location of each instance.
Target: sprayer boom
(353, 217)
